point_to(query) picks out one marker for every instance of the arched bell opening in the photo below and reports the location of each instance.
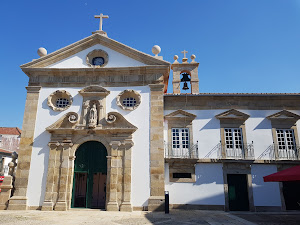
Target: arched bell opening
(90, 176)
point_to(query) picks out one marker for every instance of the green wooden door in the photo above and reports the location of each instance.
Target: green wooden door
(238, 192)
(90, 160)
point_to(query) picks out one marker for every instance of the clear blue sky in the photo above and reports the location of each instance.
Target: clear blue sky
(242, 45)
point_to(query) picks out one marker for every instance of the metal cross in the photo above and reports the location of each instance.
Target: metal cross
(101, 16)
(184, 52)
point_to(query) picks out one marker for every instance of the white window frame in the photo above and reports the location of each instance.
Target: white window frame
(234, 147)
(286, 144)
(180, 142)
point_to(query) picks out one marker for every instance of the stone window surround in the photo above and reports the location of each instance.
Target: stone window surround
(181, 165)
(127, 94)
(289, 122)
(96, 53)
(227, 121)
(52, 98)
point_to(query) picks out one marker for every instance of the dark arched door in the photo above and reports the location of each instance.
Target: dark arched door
(90, 169)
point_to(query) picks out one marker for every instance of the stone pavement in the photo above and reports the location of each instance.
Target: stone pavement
(87, 216)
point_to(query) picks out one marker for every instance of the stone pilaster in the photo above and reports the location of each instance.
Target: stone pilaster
(61, 204)
(48, 201)
(113, 162)
(19, 200)
(157, 184)
(126, 201)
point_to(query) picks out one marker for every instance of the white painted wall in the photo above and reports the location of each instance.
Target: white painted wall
(140, 151)
(264, 193)
(207, 190)
(206, 130)
(78, 60)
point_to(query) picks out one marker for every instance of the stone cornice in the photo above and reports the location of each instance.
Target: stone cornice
(88, 42)
(135, 76)
(240, 102)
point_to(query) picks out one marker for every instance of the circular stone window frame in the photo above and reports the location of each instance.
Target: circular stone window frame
(97, 53)
(129, 94)
(56, 95)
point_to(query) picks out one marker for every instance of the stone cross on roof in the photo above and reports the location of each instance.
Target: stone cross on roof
(101, 17)
(184, 52)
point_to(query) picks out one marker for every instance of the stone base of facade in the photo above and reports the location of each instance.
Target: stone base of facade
(156, 203)
(126, 207)
(61, 206)
(47, 206)
(112, 206)
(197, 207)
(268, 208)
(18, 203)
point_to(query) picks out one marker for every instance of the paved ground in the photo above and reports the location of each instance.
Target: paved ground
(86, 217)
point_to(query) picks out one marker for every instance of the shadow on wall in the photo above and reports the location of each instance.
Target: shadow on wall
(264, 124)
(214, 123)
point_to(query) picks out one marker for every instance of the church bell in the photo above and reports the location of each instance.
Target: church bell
(185, 86)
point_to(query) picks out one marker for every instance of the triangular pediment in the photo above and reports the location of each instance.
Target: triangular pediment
(232, 114)
(284, 115)
(180, 114)
(74, 55)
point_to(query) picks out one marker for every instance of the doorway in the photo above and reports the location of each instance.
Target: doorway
(90, 170)
(238, 192)
(291, 194)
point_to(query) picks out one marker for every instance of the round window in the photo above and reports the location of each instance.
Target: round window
(129, 100)
(60, 100)
(97, 58)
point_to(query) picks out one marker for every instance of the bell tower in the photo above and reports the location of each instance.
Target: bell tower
(185, 75)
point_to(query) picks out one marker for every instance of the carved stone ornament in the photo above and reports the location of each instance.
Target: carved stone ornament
(73, 118)
(129, 100)
(60, 100)
(94, 54)
(111, 118)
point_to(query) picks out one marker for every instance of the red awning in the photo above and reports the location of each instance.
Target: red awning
(290, 174)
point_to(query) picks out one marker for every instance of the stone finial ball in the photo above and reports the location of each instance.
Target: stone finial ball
(175, 57)
(42, 52)
(156, 49)
(193, 57)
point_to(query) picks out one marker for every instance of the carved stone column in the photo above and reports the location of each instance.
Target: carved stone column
(113, 162)
(61, 204)
(19, 200)
(70, 180)
(126, 201)
(48, 201)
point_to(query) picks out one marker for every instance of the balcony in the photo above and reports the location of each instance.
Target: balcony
(181, 151)
(245, 151)
(276, 152)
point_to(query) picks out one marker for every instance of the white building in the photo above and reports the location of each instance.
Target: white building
(100, 131)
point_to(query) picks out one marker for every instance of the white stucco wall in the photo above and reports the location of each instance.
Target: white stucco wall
(140, 151)
(78, 60)
(206, 130)
(264, 193)
(207, 190)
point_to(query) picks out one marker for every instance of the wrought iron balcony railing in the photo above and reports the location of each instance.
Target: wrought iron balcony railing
(281, 152)
(181, 151)
(244, 151)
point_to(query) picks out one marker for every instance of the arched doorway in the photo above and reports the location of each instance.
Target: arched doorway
(90, 170)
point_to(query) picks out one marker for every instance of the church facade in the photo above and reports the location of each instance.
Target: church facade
(101, 131)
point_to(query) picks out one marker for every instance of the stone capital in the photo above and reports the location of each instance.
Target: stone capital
(33, 89)
(115, 144)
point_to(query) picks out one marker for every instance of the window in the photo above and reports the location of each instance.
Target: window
(233, 142)
(129, 102)
(286, 143)
(180, 141)
(182, 175)
(62, 102)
